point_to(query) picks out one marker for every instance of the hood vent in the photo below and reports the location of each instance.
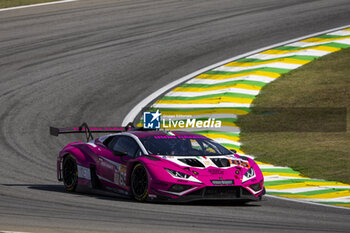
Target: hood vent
(221, 162)
(192, 162)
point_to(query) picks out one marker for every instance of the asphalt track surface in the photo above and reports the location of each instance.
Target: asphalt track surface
(93, 61)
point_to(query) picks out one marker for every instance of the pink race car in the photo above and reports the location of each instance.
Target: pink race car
(157, 166)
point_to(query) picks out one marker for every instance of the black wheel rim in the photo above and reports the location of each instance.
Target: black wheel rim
(139, 181)
(69, 172)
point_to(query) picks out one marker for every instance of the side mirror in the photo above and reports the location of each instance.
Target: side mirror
(120, 153)
(234, 151)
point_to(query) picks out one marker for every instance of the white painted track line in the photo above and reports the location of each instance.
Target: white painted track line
(12, 232)
(306, 202)
(34, 5)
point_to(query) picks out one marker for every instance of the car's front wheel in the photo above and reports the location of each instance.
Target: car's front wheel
(70, 173)
(139, 182)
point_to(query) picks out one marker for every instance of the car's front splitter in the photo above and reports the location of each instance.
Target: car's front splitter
(224, 193)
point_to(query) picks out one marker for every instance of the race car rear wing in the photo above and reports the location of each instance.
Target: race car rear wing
(84, 128)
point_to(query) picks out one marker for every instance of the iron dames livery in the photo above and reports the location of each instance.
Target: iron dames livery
(156, 165)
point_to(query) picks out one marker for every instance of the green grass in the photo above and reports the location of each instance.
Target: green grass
(13, 3)
(322, 83)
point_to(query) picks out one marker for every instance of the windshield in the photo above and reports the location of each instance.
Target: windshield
(183, 146)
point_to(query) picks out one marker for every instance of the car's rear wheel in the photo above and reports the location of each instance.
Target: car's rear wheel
(139, 182)
(70, 173)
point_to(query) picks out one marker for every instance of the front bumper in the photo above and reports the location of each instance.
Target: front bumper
(224, 193)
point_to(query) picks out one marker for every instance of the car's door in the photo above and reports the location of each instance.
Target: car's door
(112, 167)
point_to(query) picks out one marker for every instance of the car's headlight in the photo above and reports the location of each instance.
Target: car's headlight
(249, 175)
(177, 174)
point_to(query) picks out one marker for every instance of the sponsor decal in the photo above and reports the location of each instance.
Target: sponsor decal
(116, 176)
(215, 171)
(120, 175)
(240, 163)
(183, 181)
(84, 172)
(207, 163)
(179, 137)
(152, 196)
(222, 182)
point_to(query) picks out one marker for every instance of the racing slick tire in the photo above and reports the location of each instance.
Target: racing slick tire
(139, 182)
(70, 173)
